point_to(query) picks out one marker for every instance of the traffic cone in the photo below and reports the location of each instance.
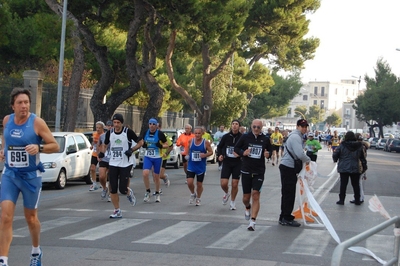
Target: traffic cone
(307, 211)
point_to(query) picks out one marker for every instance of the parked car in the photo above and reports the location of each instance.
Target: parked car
(394, 146)
(388, 142)
(71, 162)
(372, 141)
(175, 159)
(380, 144)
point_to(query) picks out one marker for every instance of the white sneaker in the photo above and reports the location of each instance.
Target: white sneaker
(225, 198)
(158, 198)
(104, 193)
(116, 214)
(198, 202)
(166, 181)
(232, 206)
(192, 198)
(159, 192)
(146, 197)
(131, 197)
(93, 187)
(109, 198)
(252, 226)
(247, 214)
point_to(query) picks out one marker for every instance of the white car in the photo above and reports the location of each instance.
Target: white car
(72, 161)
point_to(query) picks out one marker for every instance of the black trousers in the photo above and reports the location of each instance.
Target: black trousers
(288, 181)
(355, 182)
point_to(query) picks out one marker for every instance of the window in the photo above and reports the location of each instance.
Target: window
(347, 111)
(305, 97)
(315, 102)
(322, 106)
(322, 91)
(347, 92)
(81, 143)
(71, 144)
(316, 90)
(335, 91)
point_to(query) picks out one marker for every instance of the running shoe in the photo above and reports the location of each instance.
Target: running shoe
(219, 168)
(104, 193)
(131, 197)
(247, 214)
(159, 192)
(166, 181)
(109, 198)
(225, 198)
(232, 206)
(146, 197)
(192, 198)
(116, 214)
(252, 226)
(93, 187)
(36, 259)
(158, 198)
(198, 202)
(2, 263)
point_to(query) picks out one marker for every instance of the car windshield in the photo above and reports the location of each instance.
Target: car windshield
(383, 140)
(61, 142)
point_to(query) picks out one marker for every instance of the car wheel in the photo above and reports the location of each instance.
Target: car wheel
(61, 180)
(178, 163)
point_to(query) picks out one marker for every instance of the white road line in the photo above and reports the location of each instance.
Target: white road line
(310, 242)
(172, 233)
(239, 238)
(48, 225)
(106, 229)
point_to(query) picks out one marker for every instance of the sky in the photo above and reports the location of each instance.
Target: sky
(353, 35)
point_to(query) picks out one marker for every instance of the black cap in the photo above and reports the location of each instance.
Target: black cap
(302, 122)
(235, 120)
(118, 117)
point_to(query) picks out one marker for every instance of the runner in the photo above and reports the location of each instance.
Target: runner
(123, 142)
(312, 147)
(276, 139)
(183, 142)
(335, 141)
(155, 141)
(199, 150)
(104, 159)
(217, 138)
(96, 135)
(231, 163)
(254, 148)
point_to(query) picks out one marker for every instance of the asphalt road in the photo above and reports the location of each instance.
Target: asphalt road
(76, 229)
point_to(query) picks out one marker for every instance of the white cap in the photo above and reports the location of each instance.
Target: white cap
(310, 134)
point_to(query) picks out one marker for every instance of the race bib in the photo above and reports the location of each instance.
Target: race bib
(196, 156)
(229, 152)
(116, 153)
(151, 152)
(17, 156)
(255, 151)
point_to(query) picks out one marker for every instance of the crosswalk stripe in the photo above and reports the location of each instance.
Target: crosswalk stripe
(106, 229)
(239, 238)
(310, 242)
(48, 225)
(172, 233)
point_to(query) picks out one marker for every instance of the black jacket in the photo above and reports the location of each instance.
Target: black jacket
(255, 164)
(348, 154)
(228, 141)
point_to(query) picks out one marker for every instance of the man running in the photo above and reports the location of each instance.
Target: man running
(93, 163)
(183, 142)
(254, 147)
(231, 163)
(276, 139)
(123, 142)
(199, 150)
(154, 142)
(22, 144)
(104, 163)
(217, 138)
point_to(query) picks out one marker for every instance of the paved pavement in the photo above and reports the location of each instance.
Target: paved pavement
(76, 229)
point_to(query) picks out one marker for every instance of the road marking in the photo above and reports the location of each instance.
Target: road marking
(310, 242)
(172, 233)
(239, 238)
(76, 210)
(93, 210)
(48, 225)
(106, 229)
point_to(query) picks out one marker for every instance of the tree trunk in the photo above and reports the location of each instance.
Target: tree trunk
(74, 83)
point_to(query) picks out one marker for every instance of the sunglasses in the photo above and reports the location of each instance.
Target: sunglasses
(154, 124)
(258, 127)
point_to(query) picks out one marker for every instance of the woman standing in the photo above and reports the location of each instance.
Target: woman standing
(349, 154)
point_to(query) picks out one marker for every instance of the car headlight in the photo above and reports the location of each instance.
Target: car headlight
(48, 165)
(172, 153)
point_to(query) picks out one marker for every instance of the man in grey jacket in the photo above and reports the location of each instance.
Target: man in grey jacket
(294, 144)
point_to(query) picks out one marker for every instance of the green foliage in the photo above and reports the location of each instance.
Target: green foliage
(334, 120)
(380, 100)
(301, 111)
(315, 114)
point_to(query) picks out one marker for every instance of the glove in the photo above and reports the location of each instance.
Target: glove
(159, 145)
(100, 155)
(144, 145)
(128, 153)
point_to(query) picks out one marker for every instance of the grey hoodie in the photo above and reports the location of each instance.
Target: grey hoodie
(294, 143)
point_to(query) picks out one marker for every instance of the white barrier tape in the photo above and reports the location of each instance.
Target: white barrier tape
(315, 206)
(333, 172)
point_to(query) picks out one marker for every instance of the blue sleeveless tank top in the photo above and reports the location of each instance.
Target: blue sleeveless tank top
(195, 163)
